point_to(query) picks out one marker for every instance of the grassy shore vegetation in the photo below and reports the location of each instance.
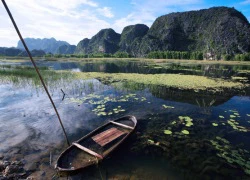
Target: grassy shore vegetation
(17, 73)
(185, 82)
(187, 55)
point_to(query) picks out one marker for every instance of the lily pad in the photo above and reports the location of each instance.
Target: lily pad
(174, 122)
(222, 117)
(185, 131)
(168, 132)
(214, 124)
(188, 124)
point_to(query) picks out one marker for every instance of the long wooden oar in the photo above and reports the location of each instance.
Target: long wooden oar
(34, 64)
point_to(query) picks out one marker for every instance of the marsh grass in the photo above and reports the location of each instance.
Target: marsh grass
(18, 75)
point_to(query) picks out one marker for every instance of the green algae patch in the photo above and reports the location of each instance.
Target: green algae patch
(168, 132)
(187, 82)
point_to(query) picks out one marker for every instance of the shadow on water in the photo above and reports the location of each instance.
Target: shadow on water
(180, 135)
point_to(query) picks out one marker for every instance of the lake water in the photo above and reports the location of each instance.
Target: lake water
(180, 135)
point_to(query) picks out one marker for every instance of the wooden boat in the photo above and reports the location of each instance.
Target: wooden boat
(96, 145)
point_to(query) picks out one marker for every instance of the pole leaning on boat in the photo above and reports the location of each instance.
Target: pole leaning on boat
(37, 70)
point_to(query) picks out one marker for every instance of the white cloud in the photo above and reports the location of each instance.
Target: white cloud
(106, 11)
(146, 11)
(64, 20)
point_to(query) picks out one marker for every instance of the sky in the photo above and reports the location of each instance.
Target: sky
(74, 20)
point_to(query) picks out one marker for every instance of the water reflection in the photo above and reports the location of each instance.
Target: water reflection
(145, 67)
(29, 129)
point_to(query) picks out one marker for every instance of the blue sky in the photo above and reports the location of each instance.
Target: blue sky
(74, 20)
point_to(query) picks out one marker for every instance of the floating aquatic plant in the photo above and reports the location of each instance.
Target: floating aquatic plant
(232, 155)
(235, 125)
(174, 122)
(185, 132)
(214, 124)
(222, 117)
(168, 132)
(188, 121)
(153, 142)
(165, 106)
(232, 116)
(150, 141)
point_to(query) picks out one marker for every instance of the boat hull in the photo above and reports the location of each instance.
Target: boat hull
(95, 146)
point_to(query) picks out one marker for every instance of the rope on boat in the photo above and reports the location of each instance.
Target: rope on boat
(34, 64)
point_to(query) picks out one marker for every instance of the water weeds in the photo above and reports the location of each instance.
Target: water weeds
(231, 154)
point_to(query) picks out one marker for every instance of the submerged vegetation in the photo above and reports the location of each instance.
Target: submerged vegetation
(199, 137)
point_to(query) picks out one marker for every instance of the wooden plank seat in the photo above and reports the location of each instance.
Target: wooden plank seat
(87, 150)
(107, 136)
(122, 125)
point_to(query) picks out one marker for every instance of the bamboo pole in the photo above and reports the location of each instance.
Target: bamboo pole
(37, 70)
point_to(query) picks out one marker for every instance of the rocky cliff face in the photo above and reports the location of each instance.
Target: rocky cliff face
(105, 41)
(131, 36)
(218, 30)
(82, 47)
(66, 49)
(48, 45)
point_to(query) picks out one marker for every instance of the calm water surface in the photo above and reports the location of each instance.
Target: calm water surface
(207, 136)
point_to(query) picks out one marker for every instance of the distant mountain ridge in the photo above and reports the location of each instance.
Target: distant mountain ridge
(5, 51)
(47, 45)
(217, 30)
